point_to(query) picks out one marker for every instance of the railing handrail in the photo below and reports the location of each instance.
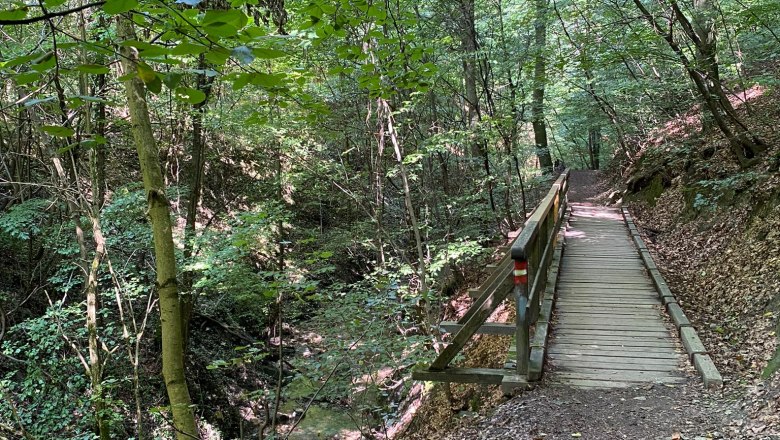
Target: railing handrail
(532, 259)
(519, 250)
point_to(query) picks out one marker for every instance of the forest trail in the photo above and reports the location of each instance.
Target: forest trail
(608, 329)
(650, 391)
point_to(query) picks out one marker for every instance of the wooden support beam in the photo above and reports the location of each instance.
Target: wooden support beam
(488, 328)
(478, 316)
(489, 287)
(512, 383)
(489, 376)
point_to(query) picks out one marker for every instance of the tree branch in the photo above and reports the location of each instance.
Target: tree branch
(49, 15)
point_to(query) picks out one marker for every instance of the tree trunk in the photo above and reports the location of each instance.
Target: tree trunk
(540, 78)
(197, 166)
(469, 43)
(383, 111)
(160, 218)
(594, 147)
(705, 75)
(468, 34)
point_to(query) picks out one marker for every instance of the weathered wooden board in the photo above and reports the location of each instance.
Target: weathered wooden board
(575, 294)
(614, 324)
(617, 268)
(607, 327)
(617, 345)
(488, 328)
(490, 376)
(591, 384)
(602, 302)
(620, 314)
(589, 297)
(616, 321)
(604, 339)
(625, 376)
(596, 332)
(600, 279)
(591, 366)
(614, 308)
(556, 352)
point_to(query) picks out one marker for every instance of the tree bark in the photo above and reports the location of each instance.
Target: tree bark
(197, 167)
(594, 147)
(540, 79)
(468, 33)
(160, 218)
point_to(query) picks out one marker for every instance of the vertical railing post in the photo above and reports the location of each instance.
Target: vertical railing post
(522, 338)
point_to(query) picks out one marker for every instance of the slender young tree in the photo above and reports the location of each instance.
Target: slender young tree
(160, 218)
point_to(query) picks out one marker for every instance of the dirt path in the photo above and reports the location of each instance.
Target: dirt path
(651, 412)
(586, 186)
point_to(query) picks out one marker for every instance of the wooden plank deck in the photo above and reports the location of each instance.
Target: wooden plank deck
(608, 329)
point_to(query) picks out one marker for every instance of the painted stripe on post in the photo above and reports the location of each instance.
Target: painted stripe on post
(521, 272)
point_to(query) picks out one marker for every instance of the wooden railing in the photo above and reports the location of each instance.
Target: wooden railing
(528, 259)
(532, 253)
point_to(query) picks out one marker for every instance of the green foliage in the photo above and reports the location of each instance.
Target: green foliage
(245, 355)
(24, 220)
(711, 193)
(773, 366)
(51, 389)
(297, 157)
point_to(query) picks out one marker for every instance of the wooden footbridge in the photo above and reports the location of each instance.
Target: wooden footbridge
(591, 307)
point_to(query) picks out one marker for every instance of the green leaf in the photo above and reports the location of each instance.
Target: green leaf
(217, 56)
(146, 73)
(172, 80)
(113, 7)
(18, 61)
(26, 77)
(190, 95)
(54, 3)
(13, 14)
(220, 29)
(58, 131)
(265, 80)
(241, 80)
(94, 141)
(95, 69)
(223, 23)
(233, 17)
(155, 85)
(265, 53)
(44, 62)
(187, 48)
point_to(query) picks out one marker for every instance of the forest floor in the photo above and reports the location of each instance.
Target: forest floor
(685, 411)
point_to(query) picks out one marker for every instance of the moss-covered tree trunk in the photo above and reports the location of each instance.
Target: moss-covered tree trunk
(160, 219)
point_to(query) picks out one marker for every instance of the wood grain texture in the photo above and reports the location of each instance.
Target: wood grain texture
(608, 330)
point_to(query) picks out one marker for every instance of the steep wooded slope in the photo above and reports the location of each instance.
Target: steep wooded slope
(715, 231)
